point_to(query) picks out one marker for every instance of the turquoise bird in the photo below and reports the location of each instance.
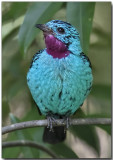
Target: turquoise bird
(60, 76)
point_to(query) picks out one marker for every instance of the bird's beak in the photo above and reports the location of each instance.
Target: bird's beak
(44, 28)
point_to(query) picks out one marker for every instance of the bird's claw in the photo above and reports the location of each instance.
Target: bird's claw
(50, 121)
(66, 120)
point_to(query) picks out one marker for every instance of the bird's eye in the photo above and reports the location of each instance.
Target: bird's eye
(61, 30)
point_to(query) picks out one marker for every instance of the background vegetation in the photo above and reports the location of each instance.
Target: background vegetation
(21, 40)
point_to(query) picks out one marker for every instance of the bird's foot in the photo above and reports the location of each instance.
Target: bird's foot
(66, 120)
(50, 120)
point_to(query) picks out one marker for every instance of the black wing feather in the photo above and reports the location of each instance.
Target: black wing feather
(36, 56)
(85, 58)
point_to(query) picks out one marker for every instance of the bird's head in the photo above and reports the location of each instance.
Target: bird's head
(61, 38)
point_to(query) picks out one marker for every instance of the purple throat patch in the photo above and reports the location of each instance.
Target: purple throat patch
(55, 47)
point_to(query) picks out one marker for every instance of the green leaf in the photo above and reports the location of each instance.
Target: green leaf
(100, 44)
(10, 27)
(5, 109)
(33, 113)
(37, 132)
(99, 115)
(101, 91)
(13, 78)
(101, 99)
(38, 12)
(13, 10)
(88, 134)
(80, 14)
(6, 152)
(15, 89)
(23, 135)
(79, 114)
(107, 128)
(63, 150)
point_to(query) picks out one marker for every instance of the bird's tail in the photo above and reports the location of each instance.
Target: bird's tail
(57, 135)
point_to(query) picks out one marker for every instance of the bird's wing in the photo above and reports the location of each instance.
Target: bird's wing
(36, 56)
(85, 58)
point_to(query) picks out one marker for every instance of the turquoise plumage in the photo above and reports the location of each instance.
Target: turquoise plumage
(60, 76)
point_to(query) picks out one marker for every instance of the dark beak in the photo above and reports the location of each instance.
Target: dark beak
(44, 28)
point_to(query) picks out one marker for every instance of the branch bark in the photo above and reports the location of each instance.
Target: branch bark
(59, 122)
(28, 144)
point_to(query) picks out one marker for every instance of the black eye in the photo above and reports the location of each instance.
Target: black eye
(61, 30)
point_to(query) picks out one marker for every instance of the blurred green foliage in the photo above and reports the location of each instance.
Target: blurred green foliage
(21, 40)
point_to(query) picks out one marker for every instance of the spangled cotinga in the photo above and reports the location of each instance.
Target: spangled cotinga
(60, 76)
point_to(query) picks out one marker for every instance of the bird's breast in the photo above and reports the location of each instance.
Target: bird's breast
(59, 85)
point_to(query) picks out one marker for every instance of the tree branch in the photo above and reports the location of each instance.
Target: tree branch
(59, 122)
(30, 144)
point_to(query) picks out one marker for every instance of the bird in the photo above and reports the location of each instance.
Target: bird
(60, 77)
